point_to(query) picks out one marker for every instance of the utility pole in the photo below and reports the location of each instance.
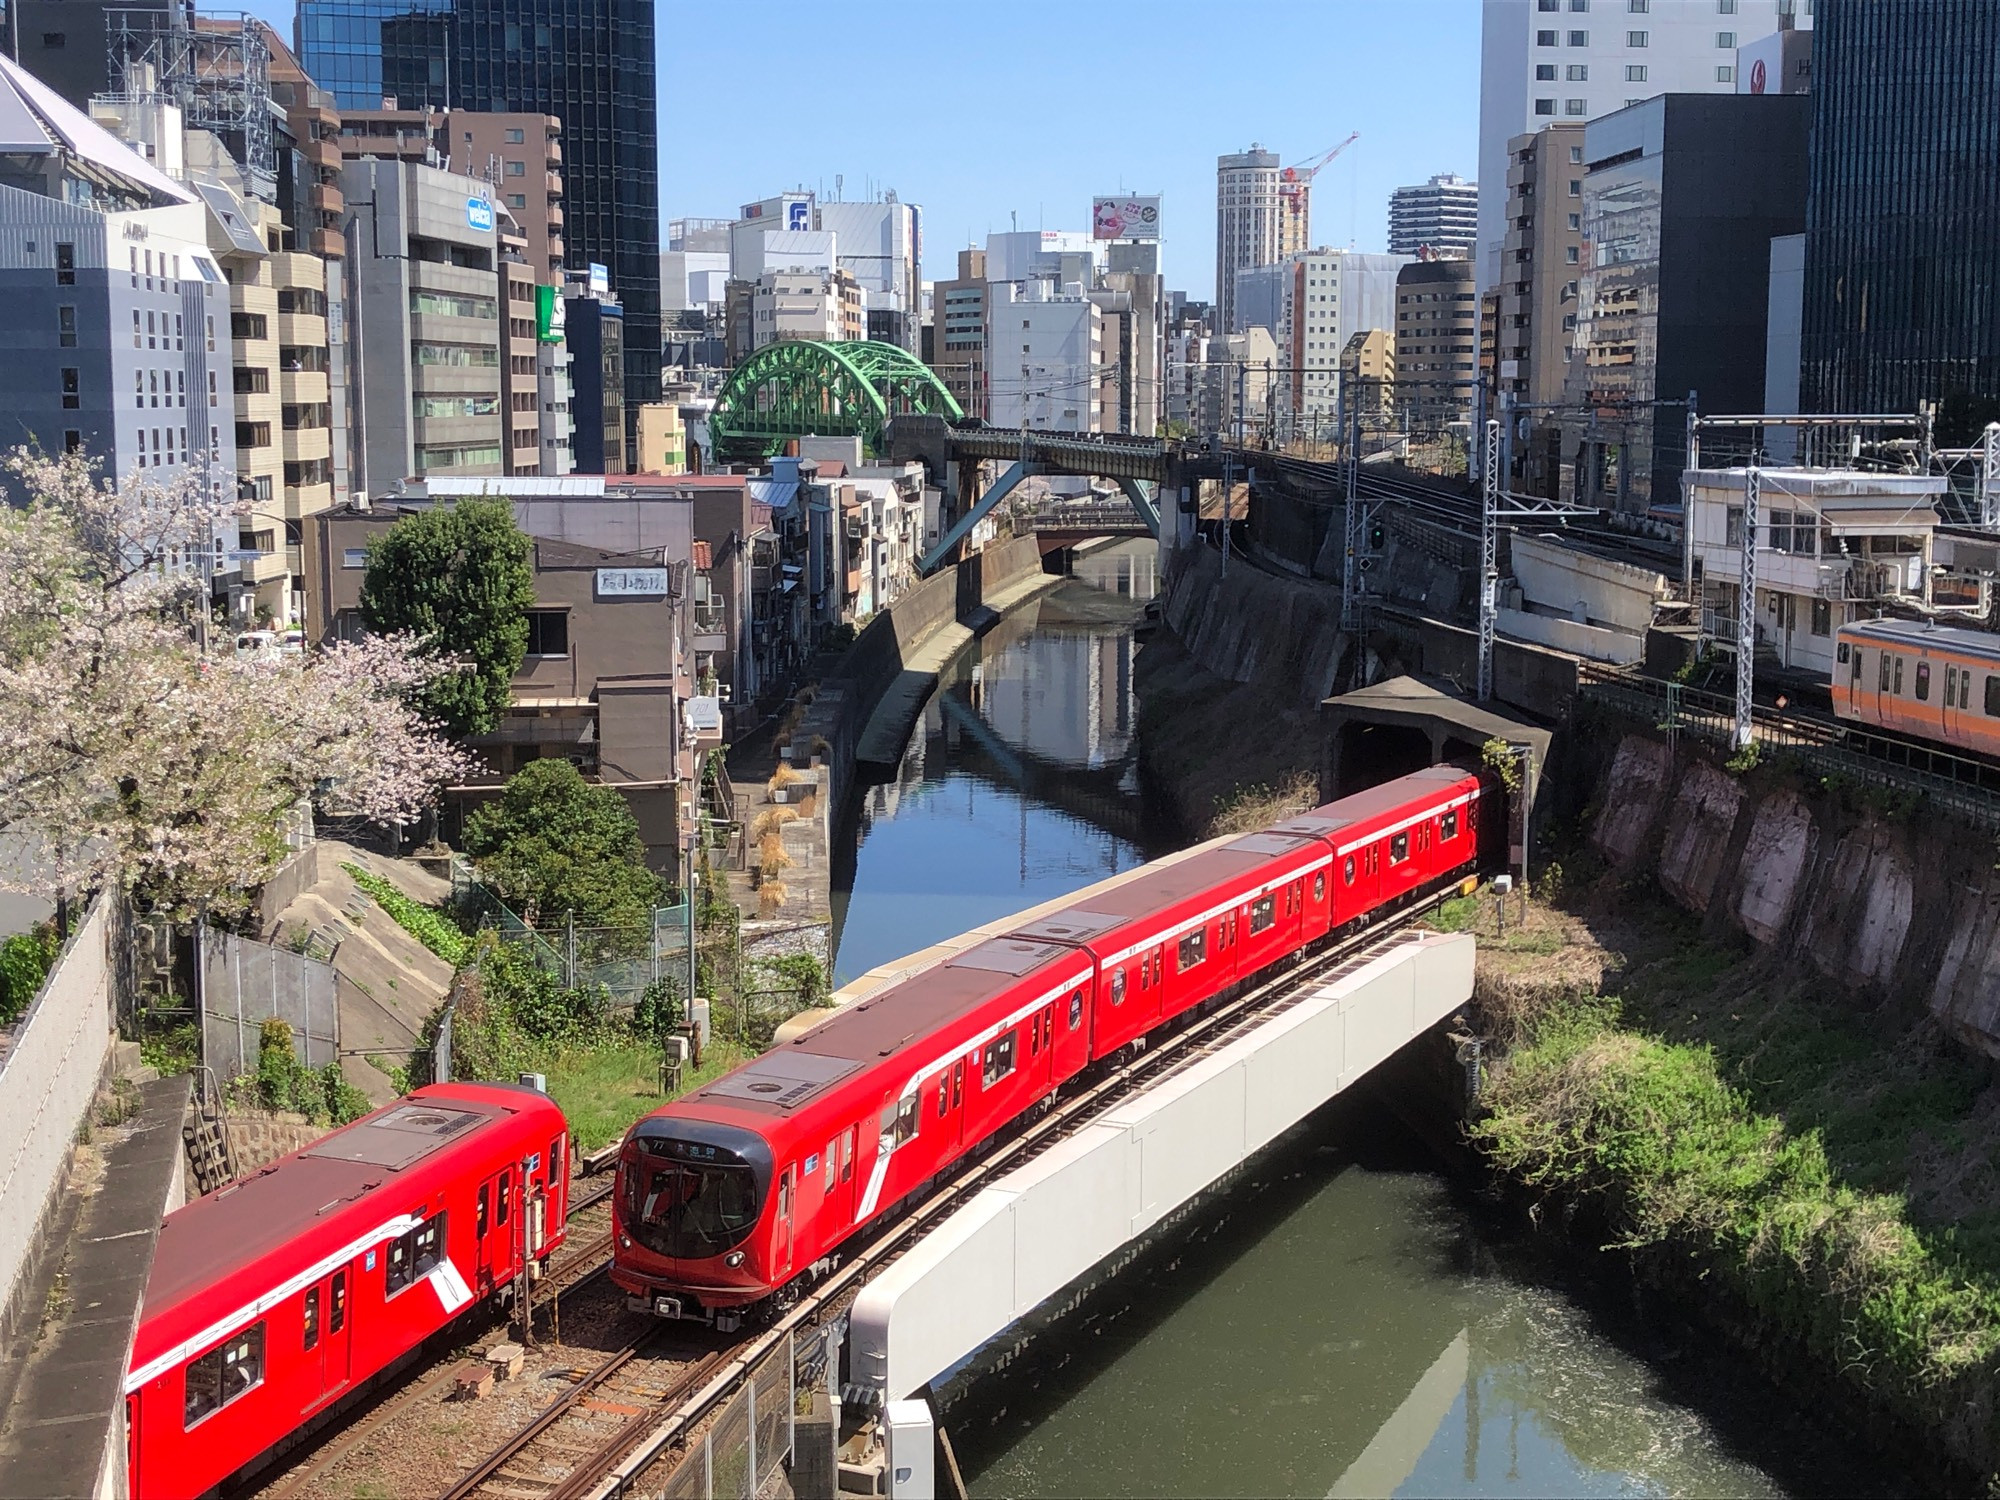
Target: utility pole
(1746, 608)
(1989, 479)
(1489, 556)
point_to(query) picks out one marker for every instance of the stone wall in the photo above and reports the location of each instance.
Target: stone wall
(1902, 911)
(257, 1138)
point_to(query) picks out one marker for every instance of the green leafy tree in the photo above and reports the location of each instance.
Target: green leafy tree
(459, 577)
(555, 844)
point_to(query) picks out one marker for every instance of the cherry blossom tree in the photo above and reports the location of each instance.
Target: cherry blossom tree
(131, 755)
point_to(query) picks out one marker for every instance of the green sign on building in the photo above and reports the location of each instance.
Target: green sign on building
(548, 315)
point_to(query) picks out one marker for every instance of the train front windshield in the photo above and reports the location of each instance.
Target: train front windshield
(689, 1210)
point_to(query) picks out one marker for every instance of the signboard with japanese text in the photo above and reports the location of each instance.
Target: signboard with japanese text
(1125, 218)
(633, 583)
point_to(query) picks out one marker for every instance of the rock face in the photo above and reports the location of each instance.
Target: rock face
(1699, 826)
(1882, 909)
(1637, 783)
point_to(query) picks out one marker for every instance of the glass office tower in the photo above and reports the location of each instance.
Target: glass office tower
(1903, 208)
(588, 62)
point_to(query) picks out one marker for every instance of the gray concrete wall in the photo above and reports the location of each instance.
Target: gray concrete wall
(54, 1062)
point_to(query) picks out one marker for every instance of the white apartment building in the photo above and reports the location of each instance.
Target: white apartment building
(878, 248)
(807, 304)
(1543, 61)
(1017, 255)
(1327, 296)
(1441, 215)
(1259, 220)
(553, 393)
(1044, 350)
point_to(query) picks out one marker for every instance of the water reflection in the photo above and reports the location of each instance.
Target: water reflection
(1020, 783)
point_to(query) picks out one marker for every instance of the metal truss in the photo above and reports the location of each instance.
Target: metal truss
(799, 388)
(217, 70)
(1495, 506)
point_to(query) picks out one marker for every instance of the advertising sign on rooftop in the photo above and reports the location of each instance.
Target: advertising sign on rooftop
(548, 315)
(1125, 218)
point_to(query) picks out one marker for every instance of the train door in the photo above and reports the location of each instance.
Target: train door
(134, 1482)
(326, 1337)
(1041, 1048)
(493, 1230)
(781, 1253)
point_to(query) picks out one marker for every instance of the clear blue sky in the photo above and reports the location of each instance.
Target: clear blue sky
(974, 111)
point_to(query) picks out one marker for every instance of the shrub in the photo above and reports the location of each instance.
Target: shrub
(783, 776)
(771, 820)
(771, 853)
(556, 845)
(428, 925)
(25, 961)
(771, 898)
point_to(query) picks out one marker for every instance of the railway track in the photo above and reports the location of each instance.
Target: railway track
(581, 1261)
(1198, 1038)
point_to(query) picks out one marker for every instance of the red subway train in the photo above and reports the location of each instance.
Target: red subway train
(275, 1297)
(740, 1192)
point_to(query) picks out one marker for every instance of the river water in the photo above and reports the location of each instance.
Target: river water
(1346, 1321)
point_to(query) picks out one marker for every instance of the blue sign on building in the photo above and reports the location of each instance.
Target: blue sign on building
(479, 214)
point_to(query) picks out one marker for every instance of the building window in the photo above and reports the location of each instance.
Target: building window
(514, 136)
(548, 632)
(52, 39)
(1545, 39)
(517, 169)
(1635, 38)
(1545, 72)
(1725, 7)
(1724, 73)
(72, 440)
(1638, 7)
(1579, 5)
(1577, 72)
(354, 557)
(1576, 187)
(1726, 40)
(1570, 252)
(517, 200)
(1822, 617)
(1548, 4)
(1579, 39)
(1576, 106)
(72, 388)
(1635, 72)
(1545, 106)
(1575, 223)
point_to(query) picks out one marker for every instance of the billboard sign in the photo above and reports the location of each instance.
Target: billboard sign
(1125, 218)
(632, 583)
(798, 216)
(548, 315)
(600, 281)
(479, 215)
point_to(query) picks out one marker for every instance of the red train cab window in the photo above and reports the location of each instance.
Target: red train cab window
(1118, 985)
(224, 1374)
(415, 1255)
(1194, 948)
(311, 1339)
(1075, 1009)
(555, 1161)
(336, 1315)
(479, 1215)
(1319, 882)
(1399, 848)
(999, 1061)
(1923, 682)
(502, 1195)
(1263, 914)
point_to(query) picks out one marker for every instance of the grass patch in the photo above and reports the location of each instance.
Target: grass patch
(603, 1089)
(429, 925)
(1671, 1154)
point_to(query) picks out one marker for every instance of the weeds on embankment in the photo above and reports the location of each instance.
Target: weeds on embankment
(1734, 1132)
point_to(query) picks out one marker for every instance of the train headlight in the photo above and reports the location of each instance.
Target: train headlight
(733, 1258)
(624, 1242)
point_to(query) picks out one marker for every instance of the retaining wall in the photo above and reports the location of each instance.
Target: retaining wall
(49, 1078)
(1900, 910)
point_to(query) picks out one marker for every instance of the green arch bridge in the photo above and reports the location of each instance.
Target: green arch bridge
(798, 388)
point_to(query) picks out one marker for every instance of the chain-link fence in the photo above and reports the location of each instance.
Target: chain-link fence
(749, 1438)
(244, 983)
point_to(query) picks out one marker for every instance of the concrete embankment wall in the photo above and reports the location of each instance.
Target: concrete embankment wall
(54, 1063)
(1886, 908)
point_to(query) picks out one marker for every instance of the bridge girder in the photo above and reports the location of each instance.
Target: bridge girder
(798, 388)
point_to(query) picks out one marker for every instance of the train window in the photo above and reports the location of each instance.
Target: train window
(1950, 684)
(415, 1255)
(1118, 985)
(1857, 664)
(1885, 671)
(1992, 696)
(502, 1196)
(1923, 682)
(1263, 914)
(1194, 948)
(1964, 686)
(833, 1162)
(1399, 848)
(999, 1059)
(1448, 824)
(1075, 1009)
(479, 1215)
(1347, 870)
(1840, 653)
(847, 1153)
(958, 1083)
(225, 1373)
(336, 1312)
(555, 1161)
(944, 1097)
(1899, 677)
(1319, 886)
(312, 1317)
(899, 1120)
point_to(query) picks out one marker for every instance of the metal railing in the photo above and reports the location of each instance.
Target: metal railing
(1960, 784)
(750, 1437)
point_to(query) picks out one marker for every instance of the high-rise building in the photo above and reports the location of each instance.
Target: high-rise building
(1326, 297)
(1533, 327)
(878, 248)
(1682, 196)
(959, 347)
(1902, 227)
(589, 63)
(1260, 218)
(806, 303)
(1044, 356)
(594, 329)
(67, 43)
(1441, 215)
(1544, 61)
(1437, 335)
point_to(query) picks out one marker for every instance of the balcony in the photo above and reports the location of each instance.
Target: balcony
(556, 219)
(554, 159)
(552, 183)
(328, 199)
(325, 152)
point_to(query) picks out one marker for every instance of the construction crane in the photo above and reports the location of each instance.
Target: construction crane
(1293, 181)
